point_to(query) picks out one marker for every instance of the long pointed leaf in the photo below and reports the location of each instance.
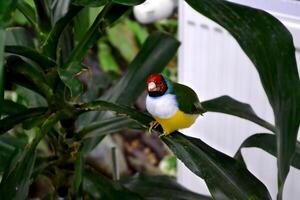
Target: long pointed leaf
(270, 47)
(104, 127)
(168, 188)
(228, 105)
(267, 142)
(51, 42)
(2, 38)
(10, 107)
(32, 76)
(44, 61)
(16, 178)
(99, 187)
(28, 12)
(8, 144)
(225, 177)
(9, 122)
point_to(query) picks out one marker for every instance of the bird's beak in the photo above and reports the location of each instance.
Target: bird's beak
(151, 87)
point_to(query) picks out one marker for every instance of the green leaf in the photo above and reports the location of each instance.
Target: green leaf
(97, 3)
(129, 2)
(269, 45)
(28, 12)
(92, 3)
(10, 107)
(228, 105)
(51, 42)
(29, 76)
(18, 36)
(168, 188)
(225, 177)
(105, 127)
(2, 39)
(43, 61)
(10, 121)
(81, 23)
(8, 144)
(43, 15)
(99, 187)
(79, 167)
(6, 8)
(106, 59)
(16, 178)
(106, 17)
(68, 76)
(155, 54)
(267, 142)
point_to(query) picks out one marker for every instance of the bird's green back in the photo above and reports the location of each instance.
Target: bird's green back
(187, 99)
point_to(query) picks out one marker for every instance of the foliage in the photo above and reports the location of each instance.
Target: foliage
(59, 101)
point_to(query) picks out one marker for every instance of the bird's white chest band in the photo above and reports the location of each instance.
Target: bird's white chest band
(163, 107)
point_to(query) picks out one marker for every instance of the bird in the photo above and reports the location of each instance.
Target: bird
(173, 105)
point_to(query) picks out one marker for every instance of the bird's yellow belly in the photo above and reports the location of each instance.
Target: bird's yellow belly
(179, 121)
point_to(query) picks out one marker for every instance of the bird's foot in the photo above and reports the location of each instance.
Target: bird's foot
(163, 134)
(152, 126)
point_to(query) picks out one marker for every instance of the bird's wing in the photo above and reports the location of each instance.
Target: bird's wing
(187, 99)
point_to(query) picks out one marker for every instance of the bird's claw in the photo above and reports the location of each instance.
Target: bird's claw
(153, 125)
(163, 134)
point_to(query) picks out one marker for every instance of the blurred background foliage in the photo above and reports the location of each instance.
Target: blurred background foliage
(106, 62)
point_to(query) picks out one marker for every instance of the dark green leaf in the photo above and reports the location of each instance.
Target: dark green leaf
(68, 76)
(100, 188)
(9, 122)
(228, 105)
(10, 107)
(155, 54)
(16, 178)
(18, 36)
(44, 61)
(97, 3)
(8, 144)
(51, 42)
(106, 17)
(81, 23)
(270, 47)
(267, 142)
(30, 98)
(29, 76)
(43, 15)
(106, 126)
(2, 39)
(146, 185)
(6, 8)
(225, 177)
(129, 2)
(92, 3)
(28, 12)
(79, 165)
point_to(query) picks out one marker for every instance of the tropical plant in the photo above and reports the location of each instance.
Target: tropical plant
(55, 108)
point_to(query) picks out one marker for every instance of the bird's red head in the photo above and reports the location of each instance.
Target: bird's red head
(156, 85)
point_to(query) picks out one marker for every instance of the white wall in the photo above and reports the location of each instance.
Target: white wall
(211, 62)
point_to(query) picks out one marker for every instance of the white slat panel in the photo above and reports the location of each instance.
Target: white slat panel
(212, 63)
